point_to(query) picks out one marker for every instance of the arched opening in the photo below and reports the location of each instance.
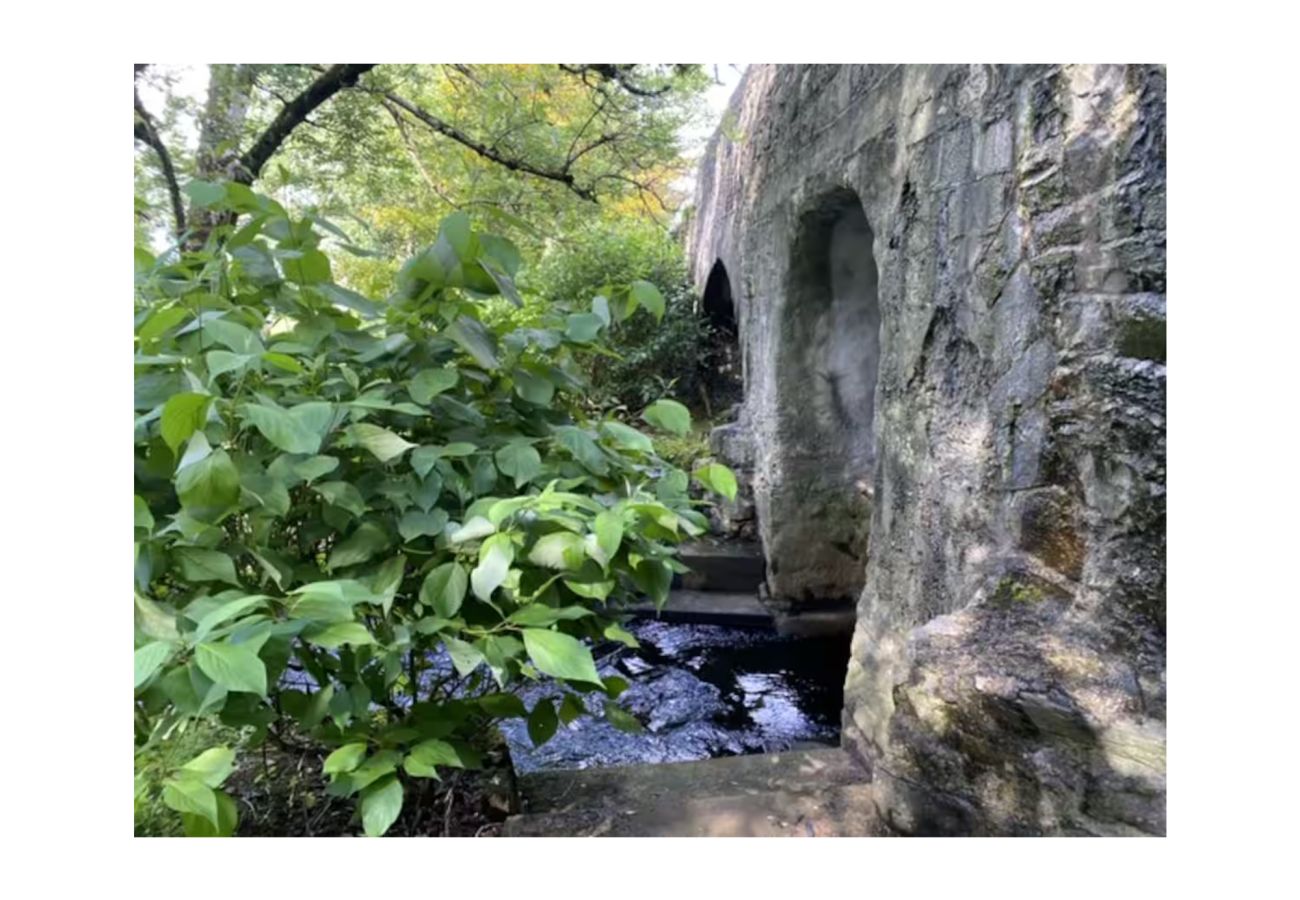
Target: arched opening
(722, 377)
(828, 359)
(718, 306)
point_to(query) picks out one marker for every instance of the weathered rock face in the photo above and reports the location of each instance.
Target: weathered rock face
(949, 283)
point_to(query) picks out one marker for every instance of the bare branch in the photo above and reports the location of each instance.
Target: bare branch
(562, 176)
(620, 74)
(296, 111)
(147, 134)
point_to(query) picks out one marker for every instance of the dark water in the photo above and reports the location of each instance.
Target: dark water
(701, 691)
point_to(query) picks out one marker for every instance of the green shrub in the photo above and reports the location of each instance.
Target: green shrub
(654, 359)
(330, 490)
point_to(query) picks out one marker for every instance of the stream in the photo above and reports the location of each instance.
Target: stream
(701, 691)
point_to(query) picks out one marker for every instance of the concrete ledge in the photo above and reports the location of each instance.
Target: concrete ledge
(845, 811)
(799, 793)
(728, 566)
(708, 608)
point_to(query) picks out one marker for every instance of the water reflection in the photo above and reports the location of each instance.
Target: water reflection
(701, 691)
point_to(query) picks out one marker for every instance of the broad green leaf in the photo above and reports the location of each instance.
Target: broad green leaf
(654, 578)
(212, 767)
(426, 493)
(149, 659)
(571, 708)
(206, 565)
(311, 267)
(456, 229)
(600, 307)
(233, 666)
(668, 415)
(427, 754)
(345, 758)
(558, 550)
(519, 461)
(161, 322)
(197, 450)
(388, 579)
(348, 299)
(615, 685)
(232, 335)
(223, 361)
(227, 819)
(205, 193)
(475, 528)
(190, 795)
(542, 722)
(286, 431)
(622, 719)
(500, 250)
(463, 656)
(143, 518)
(343, 495)
(560, 655)
(626, 437)
(283, 361)
(224, 613)
(582, 328)
(314, 467)
(583, 448)
(475, 340)
(444, 589)
(590, 588)
(154, 621)
(183, 415)
(609, 532)
(616, 632)
(430, 383)
(717, 478)
(334, 636)
(533, 388)
(381, 803)
(494, 564)
(416, 524)
(384, 444)
(505, 284)
(363, 544)
(376, 766)
(643, 293)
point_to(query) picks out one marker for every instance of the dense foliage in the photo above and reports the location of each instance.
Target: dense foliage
(362, 522)
(392, 153)
(652, 358)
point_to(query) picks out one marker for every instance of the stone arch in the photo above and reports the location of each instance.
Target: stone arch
(828, 358)
(722, 375)
(718, 306)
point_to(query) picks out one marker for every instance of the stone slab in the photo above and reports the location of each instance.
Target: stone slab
(792, 772)
(731, 566)
(845, 811)
(709, 607)
(802, 793)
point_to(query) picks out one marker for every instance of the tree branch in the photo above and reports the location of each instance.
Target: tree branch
(562, 176)
(296, 111)
(619, 74)
(147, 134)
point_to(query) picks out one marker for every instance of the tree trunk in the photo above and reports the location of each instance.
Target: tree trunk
(220, 132)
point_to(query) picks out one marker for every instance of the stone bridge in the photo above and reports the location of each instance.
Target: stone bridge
(949, 290)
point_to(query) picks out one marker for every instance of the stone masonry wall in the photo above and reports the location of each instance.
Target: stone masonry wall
(1003, 524)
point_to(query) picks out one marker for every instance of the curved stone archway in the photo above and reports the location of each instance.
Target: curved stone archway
(717, 303)
(722, 375)
(828, 355)
(1019, 454)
